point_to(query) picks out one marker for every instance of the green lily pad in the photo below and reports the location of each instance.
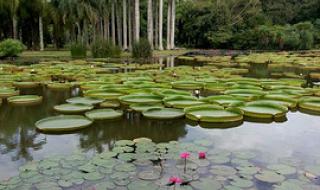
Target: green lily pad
(84, 100)
(93, 176)
(163, 113)
(206, 184)
(269, 177)
(264, 110)
(104, 186)
(288, 185)
(140, 98)
(144, 107)
(215, 114)
(104, 114)
(240, 182)
(124, 143)
(182, 101)
(25, 100)
(222, 170)
(125, 167)
(72, 108)
(63, 123)
(283, 169)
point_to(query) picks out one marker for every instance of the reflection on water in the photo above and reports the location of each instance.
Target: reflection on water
(297, 137)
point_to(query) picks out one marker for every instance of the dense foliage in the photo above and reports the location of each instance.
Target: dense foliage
(229, 24)
(103, 49)
(254, 24)
(78, 50)
(11, 48)
(141, 49)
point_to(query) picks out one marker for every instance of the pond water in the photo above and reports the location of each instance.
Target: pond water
(290, 143)
(297, 138)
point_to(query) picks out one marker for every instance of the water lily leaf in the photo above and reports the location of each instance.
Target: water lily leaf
(104, 186)
(240, 182)
(124, 143)
(206, 184)
(282, 169)
(222, 170)
(93, 176)
(142, 185)
(88, 168)
(269, 176)
(125, 167)
(149, 175)
(287, 185)
(246, 155)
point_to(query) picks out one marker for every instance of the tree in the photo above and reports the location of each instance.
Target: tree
(160, 24)
(124, 22)
(150, 23)
(137, 20)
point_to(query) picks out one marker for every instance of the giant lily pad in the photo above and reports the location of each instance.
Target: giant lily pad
(182, 101)
(102, 114)
(72, 108)
(26, 84)
(246, 93)
(224, 100)
(163, 113)
(269, 177)
(310, 104)
(215, 114)
(25, 100)
(187, 85)
(264, 110)
(140, 98)
(144, 107)
(84, 100)
(63, 123)
(7, 92)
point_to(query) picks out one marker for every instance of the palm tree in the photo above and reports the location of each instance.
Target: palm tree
(160, 24)
(124, 24)
(169, 24)
(137, 20)
(113, 22)
(42, 7)
(173, 23)
(12, 6)
(150, 23)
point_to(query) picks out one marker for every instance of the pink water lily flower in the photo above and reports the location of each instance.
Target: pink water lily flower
(175, 180)
(202, 155)
(185, 155)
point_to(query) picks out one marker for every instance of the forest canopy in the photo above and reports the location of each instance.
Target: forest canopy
(223, 24)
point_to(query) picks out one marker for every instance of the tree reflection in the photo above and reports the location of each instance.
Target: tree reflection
(105, 133)
(18, 136)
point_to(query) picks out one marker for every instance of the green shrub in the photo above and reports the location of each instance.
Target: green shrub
(142, 49)
(78, 50)
(11, 48)
(103, 49)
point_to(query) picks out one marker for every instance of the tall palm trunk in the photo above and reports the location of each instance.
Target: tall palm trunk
(130, 23)
(119, 26)
(113, 23)
(124, 23)
(173, 23)
(137, 20)
(169, 24)
(160, 24)
(156, 25)
(150, 23)
(106, 28)
(41, 34)
(14, 27)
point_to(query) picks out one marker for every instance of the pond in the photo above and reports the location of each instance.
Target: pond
(253, 153)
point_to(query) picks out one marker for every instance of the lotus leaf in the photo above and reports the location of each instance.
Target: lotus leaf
(25, 100)
(63, 123)
(215, 114)
(163, 113)
(72, 108)
(103, 114)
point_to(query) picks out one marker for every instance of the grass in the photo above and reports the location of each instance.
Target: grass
(66, 53)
